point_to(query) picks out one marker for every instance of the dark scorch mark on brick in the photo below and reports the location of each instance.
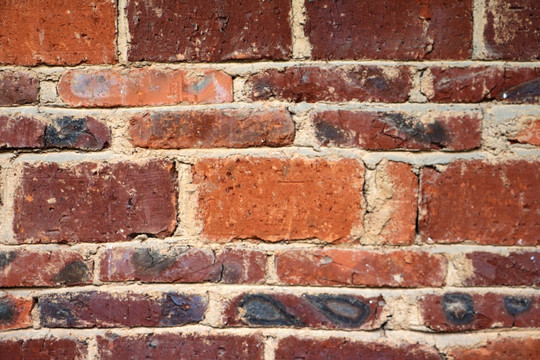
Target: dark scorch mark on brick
(68, 132)
(263, 310)
(528, 91)
(329, 133)
(340, 309)
(149, 261)
(7, 312)
(76, 272)
(516, 305)
(458, 308)
(6, 257)
(178, 309)
(429, 134)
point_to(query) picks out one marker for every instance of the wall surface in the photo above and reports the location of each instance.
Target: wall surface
(270, 179)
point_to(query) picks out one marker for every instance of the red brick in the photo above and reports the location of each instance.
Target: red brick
(398, 130)
(26, 268)
(482, 83)
(105, 310)
(500, 349)
(232, 128)
(529, 131)
(342, 83)
(292, 348)
(57, 32)
(273, 199)
(182, 265)
(21, 132)
(511, 31)
(514, 269)
(43, 349)
(143, 86)
(15, 312)
(389, 29)
(83, 133)
(169, 30)
(340, 267)
(95, 202)
(462, 312)
(180, 347)
(481, 202)
(18, 88)
(316, 311)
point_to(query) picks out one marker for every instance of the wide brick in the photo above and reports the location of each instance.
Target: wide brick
(292, 348)
(482, 83)
(15, 312)
(95, 202)
(233, 128)
(18, 88)
(328, 311)
(180, 347)
(104, 310)
(27, 268)
(339, 267)
(57, 32)
(342, 83)
(43, 349)
(21, 132)
(143, 86)
(83, 133)
(389, 29)
(482, 202)
(511, 31)
(528, 132)
(500, 349)
(455, 131)
(215, 30)
(182, 265)
(454, 312)
(275, 199)
(514, 269)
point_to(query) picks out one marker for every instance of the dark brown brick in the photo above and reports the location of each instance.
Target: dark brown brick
(497, 204)
(232, 128)
(18, 88)
(514, 269)
(398, 130)
(104, 310)
(95, 202)
(216, 30)
(21, 132)
(241, 266)
(389, 29)
(340, 267)
(328, 311)
(83, 133)
(343, 83)
(55, 268)
(15, 312)
(180, 347)
(454, 312)
(500, 349)
(293, 348)
(43, 349)
(511, 31)
(274, 199)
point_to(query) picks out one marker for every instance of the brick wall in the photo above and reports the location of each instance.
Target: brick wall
(270, 180)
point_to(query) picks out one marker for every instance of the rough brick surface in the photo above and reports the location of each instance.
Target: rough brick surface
(144, 86)
(56, 268)
(310, 198)
(511, 31)
(183, 265)
(43, 349)
(57, 32)
(340, 267)
(292, 348)
(71, 203)
(18, 88)
(398, 130)
(181, 347)
(498, 203)
(353, 29)
(500, 349)
(169, 30)
(232, 128)
(84, 133)
(529, 131)
(328, 311)
(343, 83)
(514, 269)
(482, 83)
(454, 312)
(21, 132)
(104, 310)
(15, 312)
